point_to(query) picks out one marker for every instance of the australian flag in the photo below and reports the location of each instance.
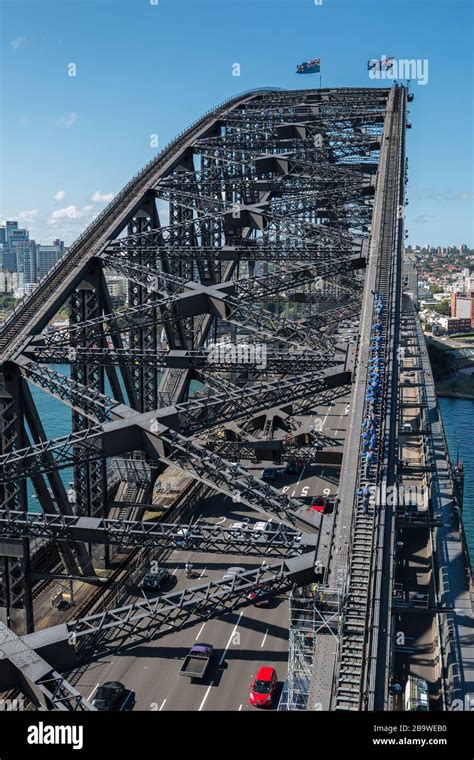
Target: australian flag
(309, 67)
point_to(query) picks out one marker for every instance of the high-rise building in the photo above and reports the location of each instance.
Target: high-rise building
(20, 254)
(26, 262)
(14, 239)
(47, 256)
(462, 306)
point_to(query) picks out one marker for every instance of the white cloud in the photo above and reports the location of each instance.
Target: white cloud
(59, 195)
(423, 218)
(67, 121)
(71, 212)
(437, 195)
(28, 216)
(99, 197)
(17, 42)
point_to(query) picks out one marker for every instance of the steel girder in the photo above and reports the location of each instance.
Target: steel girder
(144, 621)
(218, 358)
(230, 196)
(187, 418)
(84, 399)
(90, 479)
(250, 250)
(144, 378)
(69, 645)
(364, 650)
(275, 452)
(53, 499)
(190, 418)
(218, 300)
(152, 432)
(276, 540)
(283, 278)
(15, 587)
(95, 443)
(201, 414)
(234, 480)
(44, 686)
(104, 228)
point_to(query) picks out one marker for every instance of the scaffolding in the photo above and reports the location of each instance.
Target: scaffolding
(315, 615)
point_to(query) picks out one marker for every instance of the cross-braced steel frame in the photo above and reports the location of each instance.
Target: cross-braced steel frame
(251, 228)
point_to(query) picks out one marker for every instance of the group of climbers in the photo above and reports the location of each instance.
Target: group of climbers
(371, 423)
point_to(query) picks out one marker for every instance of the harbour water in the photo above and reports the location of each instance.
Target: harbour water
(56, 419)
(458, 416)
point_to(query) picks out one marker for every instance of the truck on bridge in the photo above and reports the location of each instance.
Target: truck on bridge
(197, 661)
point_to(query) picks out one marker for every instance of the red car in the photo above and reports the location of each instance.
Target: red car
(259, 596)
(263, 687)
(319, 504)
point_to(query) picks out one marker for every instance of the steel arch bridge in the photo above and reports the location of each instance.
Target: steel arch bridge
(252, 225)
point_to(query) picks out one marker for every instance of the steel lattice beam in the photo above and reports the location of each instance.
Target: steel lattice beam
(277, 540)
(259, 214)
(143, 621)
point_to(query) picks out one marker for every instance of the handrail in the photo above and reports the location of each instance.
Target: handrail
(115, 203)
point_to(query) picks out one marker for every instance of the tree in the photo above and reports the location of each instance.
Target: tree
(443, 308)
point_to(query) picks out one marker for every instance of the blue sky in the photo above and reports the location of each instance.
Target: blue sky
(69, 143)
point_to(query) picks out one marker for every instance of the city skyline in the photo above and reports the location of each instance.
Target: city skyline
(87, 122)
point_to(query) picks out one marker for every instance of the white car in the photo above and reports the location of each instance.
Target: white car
(239, 526)
(231, 572)
(182, 537)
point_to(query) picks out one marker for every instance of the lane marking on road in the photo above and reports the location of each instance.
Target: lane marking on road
(174, 571)
(203, 572)
(301, 475)
(200, 631)
(240, 707)
(230, 639)
(264, 638)
(221, 521)
(327, 415)
(93, 690)
(206, 696)
(162, 705)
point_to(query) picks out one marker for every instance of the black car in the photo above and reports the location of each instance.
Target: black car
(154, 581)
(293, 467)
(109, 696)
(269, 474)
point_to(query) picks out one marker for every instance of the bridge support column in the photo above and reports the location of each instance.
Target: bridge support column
(16, 608)
(90, 479)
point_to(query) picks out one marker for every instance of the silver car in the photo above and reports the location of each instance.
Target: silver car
(231, 572)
